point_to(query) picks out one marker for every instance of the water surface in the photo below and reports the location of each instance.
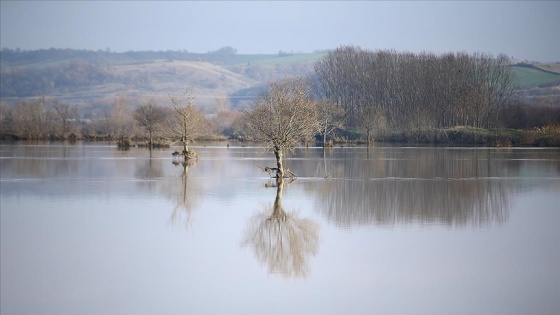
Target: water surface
(89, 229)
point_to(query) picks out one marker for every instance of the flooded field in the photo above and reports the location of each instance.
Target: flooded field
(90, 229)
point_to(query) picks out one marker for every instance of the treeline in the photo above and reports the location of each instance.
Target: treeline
(51, 119)
(360, 95)
(44, 119)
(388, 91)
(39, 119)
(17, 57)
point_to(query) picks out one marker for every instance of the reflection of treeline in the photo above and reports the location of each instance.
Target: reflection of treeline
(464, 202)
(425, 186)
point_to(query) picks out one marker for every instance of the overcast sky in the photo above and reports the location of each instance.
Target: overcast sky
(524, 30)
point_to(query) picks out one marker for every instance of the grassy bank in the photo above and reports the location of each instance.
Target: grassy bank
(548, 136)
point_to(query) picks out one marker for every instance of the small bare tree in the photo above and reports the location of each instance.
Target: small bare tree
(149, 116)
(282, 117)
(187, 123)
(66, 114)
(330, 118)
(120, 119)
(369, 119)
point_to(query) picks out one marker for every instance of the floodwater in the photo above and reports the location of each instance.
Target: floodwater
(90, 229)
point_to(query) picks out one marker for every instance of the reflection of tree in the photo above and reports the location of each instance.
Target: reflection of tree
(184, 194)
(281, 240)
(150, 170)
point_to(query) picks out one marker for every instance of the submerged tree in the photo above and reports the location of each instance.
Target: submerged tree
(282, 117)
(281, 240)
(368, 119)
(330, 118)
(65, 114)
(28, 118)
(187, 123)
(149, 116)
(120, 122)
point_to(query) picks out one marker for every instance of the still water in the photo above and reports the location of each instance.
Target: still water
(89, 229)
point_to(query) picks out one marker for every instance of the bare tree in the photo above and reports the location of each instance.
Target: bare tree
(282, 117)
(5, 118)
(28, 119)
(345, 77)
(501, 81)
(66, 114)
(187, 123)
(369, 118)
(330, 117)
(149, 116)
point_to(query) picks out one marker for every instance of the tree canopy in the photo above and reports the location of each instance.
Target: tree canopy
(283, 116)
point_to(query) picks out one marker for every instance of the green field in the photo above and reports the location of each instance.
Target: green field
(275, 59)
(529, 76)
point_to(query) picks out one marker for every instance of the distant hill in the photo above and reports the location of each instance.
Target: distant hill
(87, 77)
(93, 79)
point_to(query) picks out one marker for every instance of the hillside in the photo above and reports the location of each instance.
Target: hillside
(537, 74)
(94, 79)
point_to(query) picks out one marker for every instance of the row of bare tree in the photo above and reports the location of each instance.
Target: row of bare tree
(372, 92)
(43, 118)
(392, 91)
(38, 118)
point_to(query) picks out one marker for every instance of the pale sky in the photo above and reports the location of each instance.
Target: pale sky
(521, 29)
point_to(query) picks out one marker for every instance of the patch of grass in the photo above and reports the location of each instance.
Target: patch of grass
(244, 59)
(548, 136)
(277, 59)
(530, 76)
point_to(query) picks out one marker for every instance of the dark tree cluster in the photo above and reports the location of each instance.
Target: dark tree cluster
(394, 91)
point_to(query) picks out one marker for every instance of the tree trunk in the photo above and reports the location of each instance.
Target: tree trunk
(279, 154)
(184, 138)
(185, 148)
(150, 140)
